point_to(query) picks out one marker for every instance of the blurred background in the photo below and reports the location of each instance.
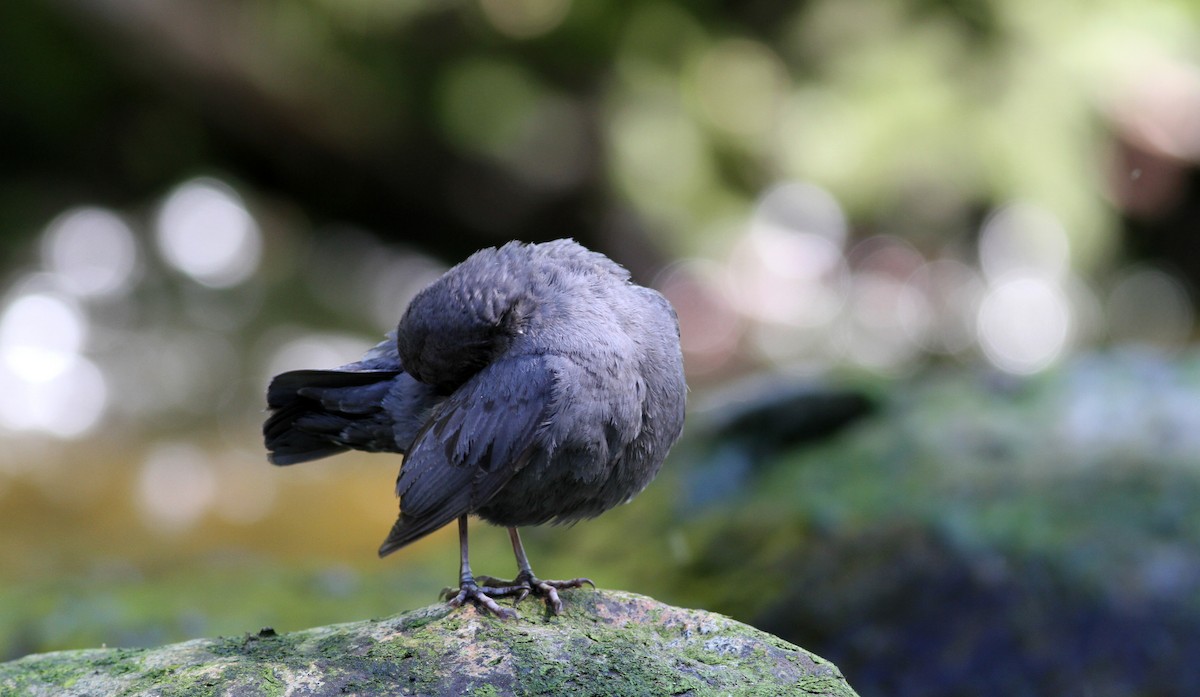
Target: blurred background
(935, 263)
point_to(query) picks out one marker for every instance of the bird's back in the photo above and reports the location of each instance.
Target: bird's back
(529, 384)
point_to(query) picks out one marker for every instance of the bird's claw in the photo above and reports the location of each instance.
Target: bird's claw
(525, 585)
(480, 597)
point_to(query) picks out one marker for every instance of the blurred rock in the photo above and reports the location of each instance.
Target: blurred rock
(751, 424)
(981, 535)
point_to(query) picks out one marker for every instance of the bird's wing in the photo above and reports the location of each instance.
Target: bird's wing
(476, 441)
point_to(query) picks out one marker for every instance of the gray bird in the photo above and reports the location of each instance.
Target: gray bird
(530, 384)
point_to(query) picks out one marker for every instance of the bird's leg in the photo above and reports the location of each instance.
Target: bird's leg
(526, 583)
(468, 589)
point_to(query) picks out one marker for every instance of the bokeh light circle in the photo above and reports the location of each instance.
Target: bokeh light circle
(204, 230)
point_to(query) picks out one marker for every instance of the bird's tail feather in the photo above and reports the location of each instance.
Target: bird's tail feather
(315, 413)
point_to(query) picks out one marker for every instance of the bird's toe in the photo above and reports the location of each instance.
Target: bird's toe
(480, 597)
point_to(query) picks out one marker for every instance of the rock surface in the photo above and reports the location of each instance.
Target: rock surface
(605, 643)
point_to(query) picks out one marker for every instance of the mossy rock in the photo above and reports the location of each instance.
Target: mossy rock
(604, 643)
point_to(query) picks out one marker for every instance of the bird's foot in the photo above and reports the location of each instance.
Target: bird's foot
(470, 591)
(526, 584)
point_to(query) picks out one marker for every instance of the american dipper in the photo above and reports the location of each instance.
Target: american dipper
(530, 384)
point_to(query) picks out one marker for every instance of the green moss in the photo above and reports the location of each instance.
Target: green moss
(605, 644)
(392, 650)
(612, 658)
(823, 685)
(17, 677)
(274, 685)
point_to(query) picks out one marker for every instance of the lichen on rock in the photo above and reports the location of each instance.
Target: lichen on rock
(605, 643)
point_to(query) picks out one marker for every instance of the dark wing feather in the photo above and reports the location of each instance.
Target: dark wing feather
(474, 444)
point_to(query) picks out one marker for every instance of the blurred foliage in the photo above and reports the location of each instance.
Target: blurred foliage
(334, 155)
(530, 118)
